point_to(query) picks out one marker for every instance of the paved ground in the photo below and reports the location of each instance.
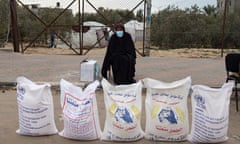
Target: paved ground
(51, 68)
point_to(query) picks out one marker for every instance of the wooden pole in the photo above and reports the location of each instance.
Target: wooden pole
(14, 27)
(147, 42)
(223, 26)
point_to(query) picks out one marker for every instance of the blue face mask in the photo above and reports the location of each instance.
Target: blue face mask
(119, 34)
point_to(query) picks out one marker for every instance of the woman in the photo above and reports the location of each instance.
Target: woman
(121, 56)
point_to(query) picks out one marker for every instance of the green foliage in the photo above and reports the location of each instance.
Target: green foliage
(192, 27)
(108, 16)
(48, 16)
(209, 10)
(232, 38)
(4, 18)
(140, 15)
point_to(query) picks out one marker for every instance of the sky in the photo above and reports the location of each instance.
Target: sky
(119, 4)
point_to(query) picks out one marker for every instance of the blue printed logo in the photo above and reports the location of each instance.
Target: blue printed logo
(167, 115)
(200, 101)
(21, 92)
(123, 115)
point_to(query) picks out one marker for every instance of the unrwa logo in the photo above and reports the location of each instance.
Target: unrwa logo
(200, 101)
(21, 92)
(167, 115)
(123, 115)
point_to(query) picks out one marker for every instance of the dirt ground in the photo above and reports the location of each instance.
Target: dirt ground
(154, 52)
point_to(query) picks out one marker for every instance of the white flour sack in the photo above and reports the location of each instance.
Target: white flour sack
(210, 113)
(80, 112)
(35, 108)
(166, 110)
(123, 112)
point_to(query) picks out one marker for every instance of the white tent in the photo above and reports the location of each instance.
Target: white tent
(135, 28)
(91, 37)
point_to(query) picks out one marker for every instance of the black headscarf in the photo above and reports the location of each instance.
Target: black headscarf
(119, 25)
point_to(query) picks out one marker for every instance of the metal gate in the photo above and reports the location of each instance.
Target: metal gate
(83, 7)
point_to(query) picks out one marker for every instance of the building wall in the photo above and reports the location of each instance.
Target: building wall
(220, 6)
(233, 6)
(237, 6)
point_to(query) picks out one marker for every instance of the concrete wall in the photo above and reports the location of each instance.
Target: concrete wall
(233, 6)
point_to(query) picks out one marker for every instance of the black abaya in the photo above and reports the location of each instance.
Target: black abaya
(121, 56)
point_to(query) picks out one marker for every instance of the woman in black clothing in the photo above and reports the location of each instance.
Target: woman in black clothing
(121, 56)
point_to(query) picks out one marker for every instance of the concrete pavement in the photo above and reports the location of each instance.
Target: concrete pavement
(51, 68)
